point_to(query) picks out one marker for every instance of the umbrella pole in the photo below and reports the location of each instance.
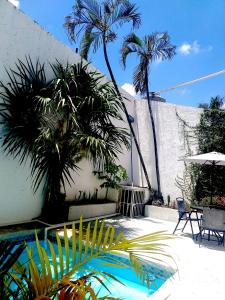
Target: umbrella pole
(212, 181)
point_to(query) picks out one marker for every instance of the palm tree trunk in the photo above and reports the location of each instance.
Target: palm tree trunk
(154, 136)
(126, 113)
(106, 194)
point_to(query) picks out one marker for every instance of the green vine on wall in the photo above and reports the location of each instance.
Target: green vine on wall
(187, 181)
(207, 136)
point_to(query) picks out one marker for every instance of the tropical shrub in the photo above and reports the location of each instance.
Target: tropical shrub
(211, 137)
(112, 175)
(56, 123)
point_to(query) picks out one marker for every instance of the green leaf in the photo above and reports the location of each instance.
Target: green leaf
(60, 254)
(74, 245)
(54, 262)
(67, 249)
(80, 240)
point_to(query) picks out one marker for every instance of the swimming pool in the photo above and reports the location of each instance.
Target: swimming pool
(133, 289)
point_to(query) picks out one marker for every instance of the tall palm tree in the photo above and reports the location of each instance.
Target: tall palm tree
(153, 47)
(98, 22)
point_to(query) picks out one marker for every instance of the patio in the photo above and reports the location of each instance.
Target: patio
(201, 271)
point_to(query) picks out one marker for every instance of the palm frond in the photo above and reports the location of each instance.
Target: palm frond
(133, 39)
(89, 39)
(85, 14)
(20, 112)
(131, 44)
(124, 12)
(96, 21)
(139, 76)
(158, 46)
(59, 270)
(9, 255)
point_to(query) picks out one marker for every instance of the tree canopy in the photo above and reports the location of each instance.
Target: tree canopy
(211, 137)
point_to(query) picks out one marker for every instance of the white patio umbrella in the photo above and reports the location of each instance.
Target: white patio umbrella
(211, 158)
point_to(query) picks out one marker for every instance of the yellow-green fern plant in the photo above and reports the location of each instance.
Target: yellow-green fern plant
(54, 276)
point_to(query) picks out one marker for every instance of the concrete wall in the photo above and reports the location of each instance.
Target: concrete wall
(170, 141)
(19, 37)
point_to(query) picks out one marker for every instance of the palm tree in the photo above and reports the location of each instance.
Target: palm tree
(63, 272)
(153, 47)
(98, 23)
(57, 123)
(216, 102)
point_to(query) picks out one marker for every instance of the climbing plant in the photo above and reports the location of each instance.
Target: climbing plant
(186, 181)
(207, 136)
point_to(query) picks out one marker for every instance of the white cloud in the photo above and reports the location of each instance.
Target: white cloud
(129, 88)
(187, 48)
(16, 3)
(192, 48)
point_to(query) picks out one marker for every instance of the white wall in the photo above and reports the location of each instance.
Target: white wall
(170, 141)
(17, 201)
(19, 37)
(85, 180)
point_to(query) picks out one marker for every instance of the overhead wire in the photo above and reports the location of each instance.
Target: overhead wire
(190, 82)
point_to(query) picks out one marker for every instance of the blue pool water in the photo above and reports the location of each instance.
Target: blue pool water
(132, 289)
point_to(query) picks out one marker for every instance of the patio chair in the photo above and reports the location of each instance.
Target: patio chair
(185, 215)
(213, 221)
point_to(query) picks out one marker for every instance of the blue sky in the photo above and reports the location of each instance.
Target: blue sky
(196, 27)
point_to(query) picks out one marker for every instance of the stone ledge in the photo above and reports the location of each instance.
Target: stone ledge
(161, 212)
(91, 210)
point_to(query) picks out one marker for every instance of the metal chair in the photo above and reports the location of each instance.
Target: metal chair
(185, 215)
(213, 221)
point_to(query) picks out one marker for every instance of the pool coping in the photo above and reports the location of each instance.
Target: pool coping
(165, 291)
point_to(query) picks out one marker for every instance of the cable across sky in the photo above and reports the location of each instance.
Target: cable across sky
(191, 82)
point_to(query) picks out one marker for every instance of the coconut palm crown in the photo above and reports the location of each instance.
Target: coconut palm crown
(154, 47)
(99, 21)
(151, 48)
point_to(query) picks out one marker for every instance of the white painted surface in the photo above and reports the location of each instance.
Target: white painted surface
(201, 270)
(91, 210)
(162, 213)
(170, 141)
(20, 36)
(17, 200)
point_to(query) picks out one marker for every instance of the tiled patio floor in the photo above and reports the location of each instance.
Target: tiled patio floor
(201, 269)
